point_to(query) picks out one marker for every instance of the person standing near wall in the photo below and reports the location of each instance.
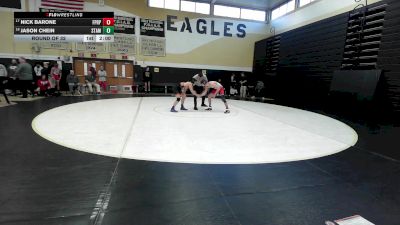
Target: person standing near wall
(3, 71)
(102, 74)
(243, 85)
(12, 76)
(3, 77)
(147, 77)
(199, 81)
(233, 85)
(45, 69)
(24, 73)
(38, 72)
(56, 76)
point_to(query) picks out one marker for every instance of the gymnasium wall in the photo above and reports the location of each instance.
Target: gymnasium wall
(309, 55)
(230, 47)
(313, 12)
(389, 54)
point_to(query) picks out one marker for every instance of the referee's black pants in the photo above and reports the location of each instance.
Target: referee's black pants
(199, 90)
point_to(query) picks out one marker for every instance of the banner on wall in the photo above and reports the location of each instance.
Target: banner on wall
(91, 47)
(154, 28)
(124, 24)
(123, 44)
(152, 39)
(54, 45)
(152, 46)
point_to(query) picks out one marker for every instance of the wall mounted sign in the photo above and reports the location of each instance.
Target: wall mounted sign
(154, 28)
(54, 45)
(152, 46)
(123, 44)
(124, 24)
(91, 47)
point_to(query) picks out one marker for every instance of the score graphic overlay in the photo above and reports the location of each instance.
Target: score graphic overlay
(64, 26)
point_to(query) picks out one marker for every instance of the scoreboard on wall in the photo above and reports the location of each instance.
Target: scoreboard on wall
(64, 26)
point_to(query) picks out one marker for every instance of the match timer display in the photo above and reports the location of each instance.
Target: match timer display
(64, 26)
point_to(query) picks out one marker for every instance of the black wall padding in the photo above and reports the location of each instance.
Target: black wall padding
(362, 83)
(389, 54)
(308, 57)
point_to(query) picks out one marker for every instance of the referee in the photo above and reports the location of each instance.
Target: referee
(199, 81)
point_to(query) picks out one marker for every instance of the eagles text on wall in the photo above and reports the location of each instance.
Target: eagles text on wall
(203, 27)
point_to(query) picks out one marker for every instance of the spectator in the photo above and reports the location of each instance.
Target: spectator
(102, 78)
(38, 72)
(259, 89)
(55, 74)
(12, 77)
(243, 85)
(91, 82)
(24, 73)
(46, 69)
(233, 85)
(3, 71)
(43, 86)
(93, 70)
(3, 77)
(73, 82)
(147, 77)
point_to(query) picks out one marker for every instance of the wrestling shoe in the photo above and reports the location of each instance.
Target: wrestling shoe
(227, 111)
(203, 105)
(209, 109)
(173, 110)
(195, 108)
(183, 108)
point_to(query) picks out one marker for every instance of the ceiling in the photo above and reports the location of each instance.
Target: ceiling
(252, 4)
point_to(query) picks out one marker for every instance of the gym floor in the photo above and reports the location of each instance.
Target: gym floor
(45, 183)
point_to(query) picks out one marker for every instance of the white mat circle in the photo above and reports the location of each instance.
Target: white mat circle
(252, 133)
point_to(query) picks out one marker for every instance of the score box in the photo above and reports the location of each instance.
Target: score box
(89, 38)
(104, 38)
(108, 30)
(108, 21)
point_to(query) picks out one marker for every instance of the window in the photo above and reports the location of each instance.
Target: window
(188, 6)
(156, 3)
(252, 14)
(203, 8)
(305, 2)
(283, 9)
(291, 6)
(220, 10)
(171, 4)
